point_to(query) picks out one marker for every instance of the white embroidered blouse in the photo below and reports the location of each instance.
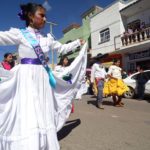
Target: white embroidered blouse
(25, 50)
(115, 71)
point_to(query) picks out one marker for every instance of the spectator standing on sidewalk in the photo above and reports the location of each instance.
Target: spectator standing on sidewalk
(141, 80)
(8, 62)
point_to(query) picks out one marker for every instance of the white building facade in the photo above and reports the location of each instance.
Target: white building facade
(108, 32)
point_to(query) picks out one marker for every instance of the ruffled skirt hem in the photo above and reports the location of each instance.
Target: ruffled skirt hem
(113, 86)
(37, 139)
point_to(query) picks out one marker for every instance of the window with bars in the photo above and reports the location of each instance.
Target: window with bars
(104, 35)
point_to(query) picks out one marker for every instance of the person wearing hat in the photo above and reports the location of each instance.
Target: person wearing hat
(98, 75)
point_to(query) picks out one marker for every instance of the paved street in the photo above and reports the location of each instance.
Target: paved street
(114, 128)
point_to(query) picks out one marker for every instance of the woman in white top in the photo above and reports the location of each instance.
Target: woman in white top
(61, 67)
(31, 112)
(64, 62)
(115, 85)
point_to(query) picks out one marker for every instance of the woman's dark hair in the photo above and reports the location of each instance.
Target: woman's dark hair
(12, 63)
(7, 54)
(62, 59)
(115, 60)
(26, 9)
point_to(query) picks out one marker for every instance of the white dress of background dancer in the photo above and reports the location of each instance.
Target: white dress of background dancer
(31, 111)
(82, 89)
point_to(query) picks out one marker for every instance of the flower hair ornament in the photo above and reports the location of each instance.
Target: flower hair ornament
(67, 78)
(21, 15)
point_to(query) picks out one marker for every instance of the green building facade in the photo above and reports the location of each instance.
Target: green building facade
(76, 31)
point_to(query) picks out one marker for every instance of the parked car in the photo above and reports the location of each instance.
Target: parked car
(131, 83)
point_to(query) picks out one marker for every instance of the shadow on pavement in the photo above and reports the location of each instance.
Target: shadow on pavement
(69, 126)
(108, 103)
(93, 102)
(93, 96)
(146, 98)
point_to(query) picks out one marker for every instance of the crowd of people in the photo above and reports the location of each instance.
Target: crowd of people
(135, 33)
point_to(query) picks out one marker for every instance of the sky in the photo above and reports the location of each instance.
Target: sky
(62, 12)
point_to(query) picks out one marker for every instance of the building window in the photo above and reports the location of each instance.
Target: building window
(104, 35)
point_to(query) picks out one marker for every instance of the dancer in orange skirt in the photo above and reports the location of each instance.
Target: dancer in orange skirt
(115, 85)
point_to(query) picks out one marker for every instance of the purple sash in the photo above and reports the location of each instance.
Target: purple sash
(34, 61)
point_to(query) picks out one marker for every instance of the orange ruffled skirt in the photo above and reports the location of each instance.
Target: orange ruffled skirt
(113, 86)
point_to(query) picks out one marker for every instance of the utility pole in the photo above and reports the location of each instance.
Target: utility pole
(51, 24)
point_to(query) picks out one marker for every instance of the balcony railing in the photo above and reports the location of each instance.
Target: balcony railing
(128, 39)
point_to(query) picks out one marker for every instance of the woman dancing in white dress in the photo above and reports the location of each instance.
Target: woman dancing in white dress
(31, 111)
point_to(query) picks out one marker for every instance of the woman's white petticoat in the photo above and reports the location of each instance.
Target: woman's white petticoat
(31, 112)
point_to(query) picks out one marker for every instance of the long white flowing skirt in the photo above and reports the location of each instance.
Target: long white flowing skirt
(27, 110)
(82, 90)
(31, 112)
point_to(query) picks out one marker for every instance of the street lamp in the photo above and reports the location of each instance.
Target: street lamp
(51, 24)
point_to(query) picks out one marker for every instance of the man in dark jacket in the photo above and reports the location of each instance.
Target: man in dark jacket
(141, 79)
